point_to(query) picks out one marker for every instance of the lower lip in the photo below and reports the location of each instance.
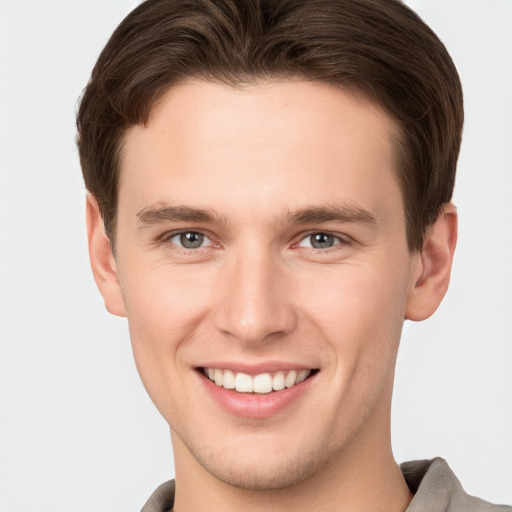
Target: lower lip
(253, 405)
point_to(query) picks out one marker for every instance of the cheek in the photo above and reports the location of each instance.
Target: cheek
(163, 300)
(164, 308)
(360, 310)
(357, 291)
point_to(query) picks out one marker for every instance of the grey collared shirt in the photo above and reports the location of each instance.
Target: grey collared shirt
(435, 488)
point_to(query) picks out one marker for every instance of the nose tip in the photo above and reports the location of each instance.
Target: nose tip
(254, 305)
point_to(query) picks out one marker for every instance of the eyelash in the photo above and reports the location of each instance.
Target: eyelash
(166, 239)
(338, 241)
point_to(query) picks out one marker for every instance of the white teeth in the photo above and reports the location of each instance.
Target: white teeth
(217, 377)
(291, 378)
(278, 381)
(302, 376)
(262, 383)
(243, 383)
(229, 380)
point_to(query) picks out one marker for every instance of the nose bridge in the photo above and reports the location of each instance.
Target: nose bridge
(254, 304)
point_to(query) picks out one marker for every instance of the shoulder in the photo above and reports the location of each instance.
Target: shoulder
(437, 489)
(162, 499)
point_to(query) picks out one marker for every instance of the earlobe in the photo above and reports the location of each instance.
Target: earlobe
(432, 266)
(102, 259)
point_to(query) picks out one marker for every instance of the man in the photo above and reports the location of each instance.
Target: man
(269, 199)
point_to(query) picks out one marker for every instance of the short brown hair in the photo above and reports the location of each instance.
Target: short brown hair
(379, 47)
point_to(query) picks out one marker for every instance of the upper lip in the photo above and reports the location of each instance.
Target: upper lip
(256, 368)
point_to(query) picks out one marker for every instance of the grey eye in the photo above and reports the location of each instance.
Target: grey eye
(322, 240)
(190, 239)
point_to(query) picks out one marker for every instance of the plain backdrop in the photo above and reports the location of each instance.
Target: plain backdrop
(77, 431)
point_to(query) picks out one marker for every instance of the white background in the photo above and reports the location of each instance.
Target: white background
(77, 432)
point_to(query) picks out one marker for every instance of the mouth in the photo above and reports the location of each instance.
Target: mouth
(263, 383)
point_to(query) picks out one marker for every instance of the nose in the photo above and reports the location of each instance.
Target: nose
(254, 301)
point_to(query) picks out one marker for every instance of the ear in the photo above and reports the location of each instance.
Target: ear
(103, 263)
(432, 266)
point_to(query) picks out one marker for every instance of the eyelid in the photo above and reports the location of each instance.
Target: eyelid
(165, 238)
(169, 235)
(341, 239)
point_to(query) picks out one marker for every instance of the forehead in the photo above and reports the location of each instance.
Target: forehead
(285, 143)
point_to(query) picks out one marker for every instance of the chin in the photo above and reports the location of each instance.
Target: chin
(261, 468)
(260, 477)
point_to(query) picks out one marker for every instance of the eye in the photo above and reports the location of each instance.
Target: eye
(320, 241)
(190, 240)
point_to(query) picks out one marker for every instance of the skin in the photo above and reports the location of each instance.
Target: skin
(257, 291)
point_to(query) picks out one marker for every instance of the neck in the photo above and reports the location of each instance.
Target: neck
(362, 476)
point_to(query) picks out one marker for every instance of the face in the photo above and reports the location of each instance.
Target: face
(261, 245)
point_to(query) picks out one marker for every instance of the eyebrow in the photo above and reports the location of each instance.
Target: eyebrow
(161, 213)
(343, 213)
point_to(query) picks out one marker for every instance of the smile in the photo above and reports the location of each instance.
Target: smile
(262, 383)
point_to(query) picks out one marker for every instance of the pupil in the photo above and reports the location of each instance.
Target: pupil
(191, 240)
(322, 241)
